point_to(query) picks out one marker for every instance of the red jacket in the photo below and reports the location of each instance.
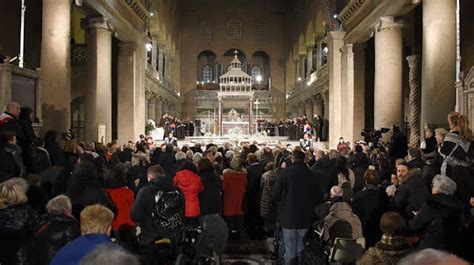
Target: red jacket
(233, 185)
(123, 199)
(190, 184)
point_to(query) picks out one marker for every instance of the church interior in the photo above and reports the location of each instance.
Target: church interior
(116, 71)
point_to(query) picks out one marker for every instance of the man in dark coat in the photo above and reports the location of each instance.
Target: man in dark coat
(369, 205)
(144, 204)
(326, 172)
(9, 121)
(412, 192)
(440, 219)
(297, 193)
(167, 161)
(253, 220)
(398, 145)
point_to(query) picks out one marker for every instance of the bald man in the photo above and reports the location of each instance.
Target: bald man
(9, 122)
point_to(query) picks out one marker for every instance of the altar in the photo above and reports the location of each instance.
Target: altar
(235, 84)
(235, 126)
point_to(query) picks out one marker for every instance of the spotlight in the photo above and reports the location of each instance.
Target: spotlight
(258, 78)
(149, 46)
(334, 16)
(299, 78)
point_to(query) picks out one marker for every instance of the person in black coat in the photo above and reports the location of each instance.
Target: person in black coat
(369, 205)
(56, 228)
(441, 218)
(84, 189)
(253, 221)
(297, 193)
(143, 206)
(39, 157)
(398, 145)
(326, 172)
(167, 160)
(10, 121)
(415, 160)
(56, 153)
(17, 219)
(210, 199)
(412, 192)
(358, 162)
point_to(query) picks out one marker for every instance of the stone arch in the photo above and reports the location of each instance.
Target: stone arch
(309, 36)
(301, 44)
(262, 60)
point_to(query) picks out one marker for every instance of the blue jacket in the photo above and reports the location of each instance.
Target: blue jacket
(75, 251)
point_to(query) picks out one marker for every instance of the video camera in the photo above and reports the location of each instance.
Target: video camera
(373, 135)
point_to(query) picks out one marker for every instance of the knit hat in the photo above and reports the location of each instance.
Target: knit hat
(235, 164)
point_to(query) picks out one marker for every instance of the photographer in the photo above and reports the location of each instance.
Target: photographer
(398, 145)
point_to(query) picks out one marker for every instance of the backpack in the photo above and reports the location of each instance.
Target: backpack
(168, 212)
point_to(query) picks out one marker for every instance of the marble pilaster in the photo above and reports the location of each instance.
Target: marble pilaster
(56, 64)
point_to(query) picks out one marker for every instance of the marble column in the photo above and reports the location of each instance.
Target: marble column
(56, 65)
(415, 99)
(158, 112)
(347, 88)
(388, 87)
(250, 115)
(151, 113)
(302, 67)
(309, 58)
(298, 70)
(335, 41)
(319, 54)
(161, 50)
(219, 115)
(438, 74)
(309, 109)
(317, 105)
(99, 92)
(154, 54)
(126, 91)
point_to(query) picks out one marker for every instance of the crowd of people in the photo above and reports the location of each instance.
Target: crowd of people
(64, 202)
(295, 128)
(179, 128)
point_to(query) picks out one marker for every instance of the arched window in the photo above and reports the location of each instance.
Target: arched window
(262, 31)
(234, 29)
(207, 29)
(207, 74)
(256, 74)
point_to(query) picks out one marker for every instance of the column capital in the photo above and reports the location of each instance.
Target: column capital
(389, 22)
(97, 23)
(334, 35)
(413, 60)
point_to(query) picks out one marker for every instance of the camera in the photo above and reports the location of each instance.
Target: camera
(373, 135)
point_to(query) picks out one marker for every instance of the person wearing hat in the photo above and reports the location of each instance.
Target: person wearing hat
(234, 182)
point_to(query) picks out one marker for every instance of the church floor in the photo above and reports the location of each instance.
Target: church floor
(247, 251)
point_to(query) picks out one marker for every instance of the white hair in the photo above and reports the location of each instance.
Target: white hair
(197, 157)
(109, 254)
(444, 185)
(229, 154)
(430, 256)
(189, 154)
(59, 204)
(180, 155)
